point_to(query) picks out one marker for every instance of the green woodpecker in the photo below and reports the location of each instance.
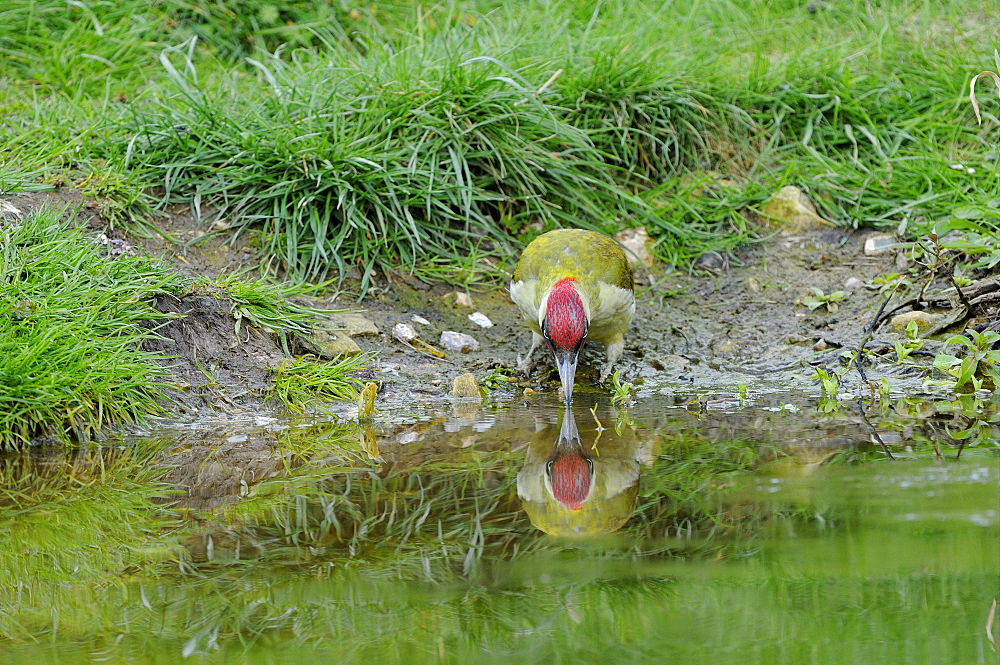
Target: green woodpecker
(573, 286)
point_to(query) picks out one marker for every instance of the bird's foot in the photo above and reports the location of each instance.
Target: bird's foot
(524, 365)
(605, 373)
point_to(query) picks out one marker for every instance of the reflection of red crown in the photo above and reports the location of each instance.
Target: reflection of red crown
(571, 481)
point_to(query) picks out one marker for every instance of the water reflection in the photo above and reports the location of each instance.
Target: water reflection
(322, 541)
(584, 482)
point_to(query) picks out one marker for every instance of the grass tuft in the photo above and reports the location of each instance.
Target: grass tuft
(70, 347)
(261, 302)
(306, 381)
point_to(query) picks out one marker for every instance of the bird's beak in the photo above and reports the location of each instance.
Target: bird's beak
(566, 364)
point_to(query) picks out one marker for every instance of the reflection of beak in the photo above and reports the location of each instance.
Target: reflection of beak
(566, 364)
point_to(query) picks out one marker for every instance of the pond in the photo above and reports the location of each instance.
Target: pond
(770, 528)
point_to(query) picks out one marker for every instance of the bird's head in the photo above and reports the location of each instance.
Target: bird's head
(564, 327)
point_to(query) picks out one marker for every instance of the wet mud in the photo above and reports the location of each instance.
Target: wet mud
(738, 321)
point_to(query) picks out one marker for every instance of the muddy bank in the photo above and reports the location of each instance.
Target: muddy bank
(739, 320)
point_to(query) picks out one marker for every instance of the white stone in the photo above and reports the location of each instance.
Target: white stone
(481, 320)
(456, 341)
(404, 332)
(879, 244)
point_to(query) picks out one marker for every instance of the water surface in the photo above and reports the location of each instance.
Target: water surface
(676, 530)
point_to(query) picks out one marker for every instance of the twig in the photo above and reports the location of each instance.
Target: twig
(869, 331)
(871, 428)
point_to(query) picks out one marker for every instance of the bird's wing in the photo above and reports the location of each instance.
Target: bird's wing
(614, 309)
(523, 294)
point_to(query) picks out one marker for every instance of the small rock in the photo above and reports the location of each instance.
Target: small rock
(481, 320)
(924, 320)
(753, 286)
(416, 318)
(352, 323)
(791, 210)
(713, 262)
(456, 341)
(461, 299)
(879, 244)
(465, 385)
(10, 212)
(821, 345)
(853, 283)
(637, 245)
(330, 344)
(404, 332)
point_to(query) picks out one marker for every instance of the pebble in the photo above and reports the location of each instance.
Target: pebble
(711, 261)
(456, 341)
(924, 320)
(481, 320)
(404, 332)
(461, 299)
(791, 210)
(465, 385)
(416, 318)
(879, 244)
(853, 283)
(637, 245)
(330, 344)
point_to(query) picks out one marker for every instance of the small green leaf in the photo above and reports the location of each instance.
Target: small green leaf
(946, 363)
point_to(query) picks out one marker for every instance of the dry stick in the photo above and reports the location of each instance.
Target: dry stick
(869, 331)
(871, 428)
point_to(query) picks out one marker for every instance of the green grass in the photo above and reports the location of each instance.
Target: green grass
(66, 523)
(307, 380)
(70, 344)
(262, 302)
(404, 137)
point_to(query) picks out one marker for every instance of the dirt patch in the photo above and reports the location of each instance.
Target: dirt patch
(738, 321)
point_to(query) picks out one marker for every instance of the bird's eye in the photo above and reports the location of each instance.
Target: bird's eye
(583, 340)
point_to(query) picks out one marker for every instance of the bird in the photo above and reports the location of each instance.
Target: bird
(574, 286)
(572, 487)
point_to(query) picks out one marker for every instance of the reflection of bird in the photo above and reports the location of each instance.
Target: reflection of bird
(573, 286)
(569, 488)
